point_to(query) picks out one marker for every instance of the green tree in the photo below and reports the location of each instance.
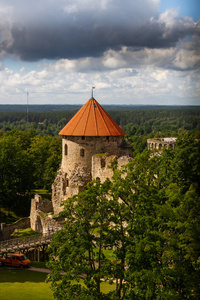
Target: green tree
(16, 172)
(78, 250)
(149, 215)
(52, 162)
(45, 153)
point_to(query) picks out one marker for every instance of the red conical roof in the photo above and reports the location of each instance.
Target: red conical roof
(92, 120)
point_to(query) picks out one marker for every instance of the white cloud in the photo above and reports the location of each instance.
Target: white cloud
(126, 49)
(125, 85)
(186, 59)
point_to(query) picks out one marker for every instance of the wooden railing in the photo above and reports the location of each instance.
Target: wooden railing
(26, 242)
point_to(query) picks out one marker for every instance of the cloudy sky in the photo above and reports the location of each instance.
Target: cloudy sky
(132, 51)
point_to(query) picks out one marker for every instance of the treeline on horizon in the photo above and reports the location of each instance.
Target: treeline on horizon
(70, 107)
(133, 122)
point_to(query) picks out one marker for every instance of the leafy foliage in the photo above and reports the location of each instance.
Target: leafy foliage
(149, 215)
(27, 161)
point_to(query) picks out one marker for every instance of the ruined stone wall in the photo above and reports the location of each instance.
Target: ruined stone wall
(159, 143)
(102, 165)
(46, 223)
(76, 167)
(37, 205)
(61, 192)
(7, 229)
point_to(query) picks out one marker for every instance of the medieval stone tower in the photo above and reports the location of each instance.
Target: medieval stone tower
(88, 141)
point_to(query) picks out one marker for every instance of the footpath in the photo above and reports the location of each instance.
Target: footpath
(42, 270)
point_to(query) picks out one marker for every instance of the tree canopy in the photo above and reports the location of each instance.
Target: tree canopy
(139, 232)
(27, 161)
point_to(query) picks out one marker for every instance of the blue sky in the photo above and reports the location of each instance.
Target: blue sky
(185, 7)
(133, 52)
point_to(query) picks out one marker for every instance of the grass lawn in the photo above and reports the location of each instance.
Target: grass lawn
(41, 264)
(24, 233)
(20, 284)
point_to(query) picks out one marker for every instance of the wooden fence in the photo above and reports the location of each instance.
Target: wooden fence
(25, 244)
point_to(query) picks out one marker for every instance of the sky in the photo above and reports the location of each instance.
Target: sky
(133, 52)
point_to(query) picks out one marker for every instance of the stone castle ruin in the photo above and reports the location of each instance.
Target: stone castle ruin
(160, 143)
(90, 141)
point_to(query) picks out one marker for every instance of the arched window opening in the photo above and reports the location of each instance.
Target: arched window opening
(82, 152)
(160, 146)
(66, 149)
(107, 138)
(103, 163)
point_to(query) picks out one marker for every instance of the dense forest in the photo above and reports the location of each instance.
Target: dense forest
(27, 161)
(68, 107)
(136, 121)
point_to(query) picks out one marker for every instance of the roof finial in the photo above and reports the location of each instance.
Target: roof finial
(92, 92)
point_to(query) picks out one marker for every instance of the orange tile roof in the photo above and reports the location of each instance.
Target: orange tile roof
(92, 120)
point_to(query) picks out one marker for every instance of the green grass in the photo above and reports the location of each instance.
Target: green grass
(23, 284)
(44, 193)
(20, 284)
(101, 154)
(24, 233)
(40, 264)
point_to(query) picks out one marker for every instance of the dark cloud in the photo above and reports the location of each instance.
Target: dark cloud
(66, 29)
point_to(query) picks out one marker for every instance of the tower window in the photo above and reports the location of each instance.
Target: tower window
(82, 152)
(83, 137)
(103, 163)
(107, 138)
(66, 149)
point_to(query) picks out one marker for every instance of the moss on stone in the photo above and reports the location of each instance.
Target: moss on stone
(101, 154)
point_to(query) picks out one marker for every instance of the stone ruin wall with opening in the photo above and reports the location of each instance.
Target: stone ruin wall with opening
(160, 143)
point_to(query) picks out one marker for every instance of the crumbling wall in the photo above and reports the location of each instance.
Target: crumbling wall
(7, 229)
(101, 168)
(51, 224)
(160, 143)
(61, 189)
(58, 190)
(37, 205)
(102, 165)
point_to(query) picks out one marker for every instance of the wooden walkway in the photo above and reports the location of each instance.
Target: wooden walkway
(25, 244)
